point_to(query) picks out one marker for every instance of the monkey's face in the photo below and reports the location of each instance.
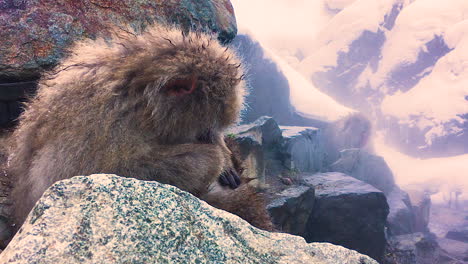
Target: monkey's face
(198, 91)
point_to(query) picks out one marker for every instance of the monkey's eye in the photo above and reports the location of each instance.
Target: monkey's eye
(183, 86)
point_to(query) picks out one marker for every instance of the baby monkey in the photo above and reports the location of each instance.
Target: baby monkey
(151, 106)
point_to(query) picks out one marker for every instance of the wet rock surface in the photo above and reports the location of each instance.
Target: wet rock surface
(347, 212)
(457, 249)
(291, 209)
(444, 218)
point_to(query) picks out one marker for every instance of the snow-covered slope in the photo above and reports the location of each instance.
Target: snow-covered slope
(343, 29)
(436, 175)
(306, 98)
(437, 103)
(402, 61)
(269, 76)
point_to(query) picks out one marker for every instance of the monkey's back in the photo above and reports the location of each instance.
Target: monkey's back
(103, 111)
(69, 131)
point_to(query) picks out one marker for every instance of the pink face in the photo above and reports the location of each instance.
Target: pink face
(180, 87)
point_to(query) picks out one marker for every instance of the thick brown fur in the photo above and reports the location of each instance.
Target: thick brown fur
(108, 109)
(246, 201)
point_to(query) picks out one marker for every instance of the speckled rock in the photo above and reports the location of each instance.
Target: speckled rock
(110, 219)
(34, 34)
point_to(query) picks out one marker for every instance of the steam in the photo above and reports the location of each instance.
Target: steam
(306, 36)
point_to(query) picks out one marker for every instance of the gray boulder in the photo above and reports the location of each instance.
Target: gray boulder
(305, 147)
(349, 132)
(455, 248)
(264, 130)
(110, 219)
(291, 209)
(347, 212)
(374, 170)
(416, 248)
(310, 149)
(401, 218)
(421, 202)
(266, 133)
(366, 167)
(460, 234)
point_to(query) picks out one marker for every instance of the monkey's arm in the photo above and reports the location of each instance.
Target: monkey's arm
(190, 167)
(229, 177)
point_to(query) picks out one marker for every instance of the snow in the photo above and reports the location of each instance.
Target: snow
(437, 99)
(306, 98)
(321, 29)
(273, 21)
(440, 96)
(294, 131)
(435, 174)
(417, 24)
(342, 30)
(338, 4)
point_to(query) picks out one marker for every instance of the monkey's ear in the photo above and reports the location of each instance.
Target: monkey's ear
(181, 86)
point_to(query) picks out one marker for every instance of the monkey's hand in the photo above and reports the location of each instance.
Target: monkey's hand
(230, 175)
(230, 178)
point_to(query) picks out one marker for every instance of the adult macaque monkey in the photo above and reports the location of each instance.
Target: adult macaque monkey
(150, 106)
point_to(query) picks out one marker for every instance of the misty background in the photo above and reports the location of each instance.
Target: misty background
(402, 63)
